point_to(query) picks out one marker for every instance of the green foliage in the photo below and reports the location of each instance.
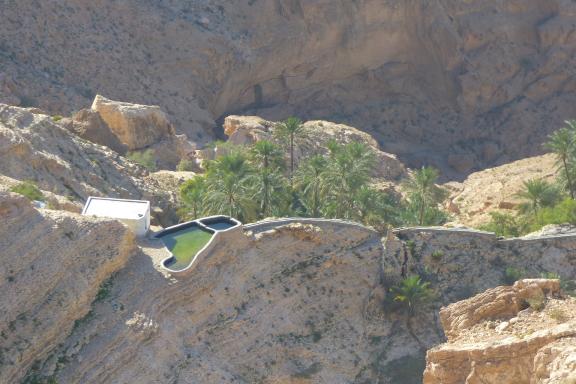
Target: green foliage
(503, 224)
(56, 118)
(539, 194)
(437, 255)
(253, 183)
(424, 196)
(412, 294)
(511, 275)
(537, 301)
(29, 190)
(185, 165)
(145, 158)
(192, 193)
(289, 131)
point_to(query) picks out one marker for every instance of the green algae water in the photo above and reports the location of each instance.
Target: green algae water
(184, 245)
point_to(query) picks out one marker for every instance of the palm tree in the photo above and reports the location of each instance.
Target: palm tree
(415, 296)
(422, 190)
(562, 143)
(374, 207)
(192, 193)
(539, 194)
(311, 184)
(227, 186)
(349, 169)
(268, 184)
(413, 293)
(266, 154)
(289, 130)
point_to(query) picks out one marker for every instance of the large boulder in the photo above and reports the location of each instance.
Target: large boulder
(137, 126)
(89, 125)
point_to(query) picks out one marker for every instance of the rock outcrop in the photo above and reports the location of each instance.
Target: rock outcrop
(137, 126)
(245, 130)
(34, 147)
(484, 81)
(495, 189)
(520, 334)
(53, 264)
(88, 124)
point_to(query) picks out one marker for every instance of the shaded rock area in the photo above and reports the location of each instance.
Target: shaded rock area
(486, 80)
(521, 334)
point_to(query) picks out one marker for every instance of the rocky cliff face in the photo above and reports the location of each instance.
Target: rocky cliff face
(35, 147)
(479, 82)
(52, 266)
(520, 334)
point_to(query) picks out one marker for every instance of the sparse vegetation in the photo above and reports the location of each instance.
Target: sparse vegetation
(537, 301)
(544, 202)
(511, 275)
(145, 158)
(437, 255)
(185, 165)
(29, 190)
(559, 315)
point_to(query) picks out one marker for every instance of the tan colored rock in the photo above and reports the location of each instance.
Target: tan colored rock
(422, 76)
(88, 124)
(137, 126)
(495, 189)
(34, 147)
(499, 337)
(53, 264)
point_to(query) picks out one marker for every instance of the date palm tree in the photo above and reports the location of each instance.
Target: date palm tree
(562, 143)
(349, 169)
(289, 131)
(311, 184)
(228, 190)
(268, 183)
(422, 190)
(192, 193)
(539, 194)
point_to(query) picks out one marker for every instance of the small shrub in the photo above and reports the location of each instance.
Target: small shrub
(537, 302)
(29, 190)
(559, 315)
(511, 275)
(437, 255)
(185, 165)
(56, 118)
(144, 158)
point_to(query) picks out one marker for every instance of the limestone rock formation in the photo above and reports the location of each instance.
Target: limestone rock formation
(494, 189)
(137, 126)
(245, 130)
(484, 78)
(53, 264)
(34, 147)
(88, 124)
(523, 334)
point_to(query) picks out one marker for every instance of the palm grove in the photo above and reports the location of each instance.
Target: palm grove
(545, 202)
(265, 180)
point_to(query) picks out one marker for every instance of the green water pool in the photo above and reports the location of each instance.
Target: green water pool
(184, 244)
